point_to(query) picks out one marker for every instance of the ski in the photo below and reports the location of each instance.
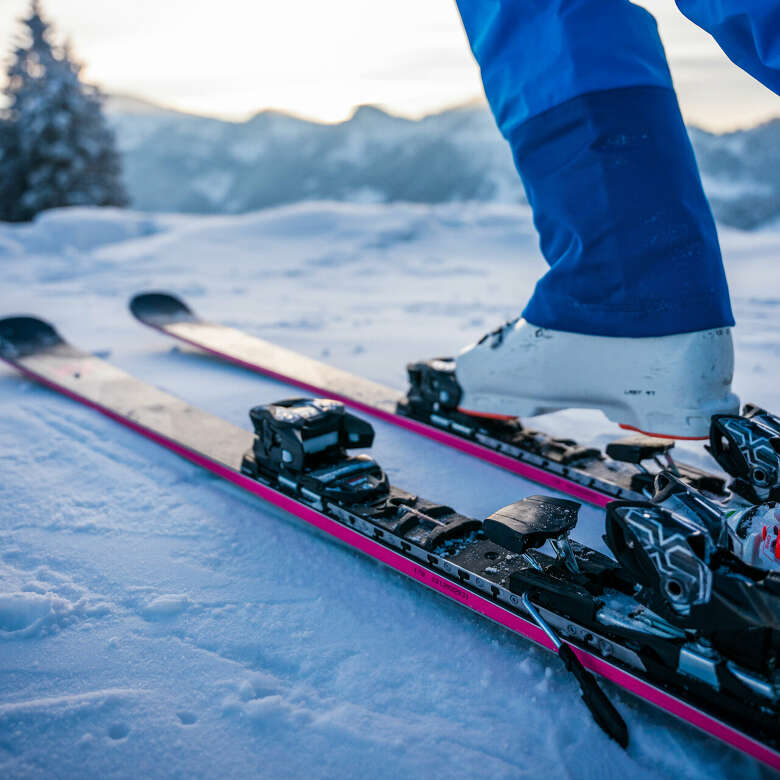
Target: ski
(626, 469)
(685, 617)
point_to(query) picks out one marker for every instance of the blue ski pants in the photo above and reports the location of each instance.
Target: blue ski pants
(581, 90)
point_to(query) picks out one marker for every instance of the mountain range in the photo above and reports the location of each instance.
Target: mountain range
(180, 162)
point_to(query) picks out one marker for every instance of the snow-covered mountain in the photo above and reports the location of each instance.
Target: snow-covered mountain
(741, 174)
(186, 163)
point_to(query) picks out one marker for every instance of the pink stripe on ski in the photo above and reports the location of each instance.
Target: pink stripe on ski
(439, 583)
(533, 473)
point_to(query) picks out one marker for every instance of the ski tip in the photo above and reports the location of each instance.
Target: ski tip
(23, 336)
(159, 309)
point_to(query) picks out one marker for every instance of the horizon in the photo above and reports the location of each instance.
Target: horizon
(408, 60)
(474, 103)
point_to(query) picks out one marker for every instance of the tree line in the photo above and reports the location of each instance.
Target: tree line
(56, 148)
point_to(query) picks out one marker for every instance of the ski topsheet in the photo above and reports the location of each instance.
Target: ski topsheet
(36, 350)
(583, 473)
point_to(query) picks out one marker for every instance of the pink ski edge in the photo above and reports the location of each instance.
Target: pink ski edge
(525, 470)
(443, 585)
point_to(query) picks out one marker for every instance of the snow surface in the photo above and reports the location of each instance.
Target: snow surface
(156, 621)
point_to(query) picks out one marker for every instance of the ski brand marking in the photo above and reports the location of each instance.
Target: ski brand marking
(428, 578)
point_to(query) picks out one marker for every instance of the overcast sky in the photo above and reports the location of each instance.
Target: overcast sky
(321, 58)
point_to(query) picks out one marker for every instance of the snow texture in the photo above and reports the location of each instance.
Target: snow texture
(158, 622)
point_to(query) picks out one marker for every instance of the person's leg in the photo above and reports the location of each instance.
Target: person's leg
(622, 218)
(582, 92)
(632, 316)
(748, 31)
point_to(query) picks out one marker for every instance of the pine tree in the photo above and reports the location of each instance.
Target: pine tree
(11, 177)
(57, 149)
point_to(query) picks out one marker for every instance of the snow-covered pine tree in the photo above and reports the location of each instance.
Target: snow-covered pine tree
(11, 179)
(57, 146)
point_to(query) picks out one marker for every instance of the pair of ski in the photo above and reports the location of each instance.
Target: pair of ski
(298, 461)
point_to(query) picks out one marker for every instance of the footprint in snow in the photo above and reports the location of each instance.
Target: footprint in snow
(167, 606)
(119, 731)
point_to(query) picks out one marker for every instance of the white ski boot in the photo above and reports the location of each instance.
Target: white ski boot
(666, 386)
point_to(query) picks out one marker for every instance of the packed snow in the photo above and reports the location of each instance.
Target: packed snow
(156, 621)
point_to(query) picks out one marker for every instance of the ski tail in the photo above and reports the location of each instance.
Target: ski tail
(158, 309)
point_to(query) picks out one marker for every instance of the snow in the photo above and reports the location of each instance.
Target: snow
(157, 621)
(730, 187)
(214, 185)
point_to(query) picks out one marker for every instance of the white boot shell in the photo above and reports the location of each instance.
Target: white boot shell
(664, 386)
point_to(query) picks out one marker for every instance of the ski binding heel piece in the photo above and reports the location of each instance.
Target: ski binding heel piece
(433, 386)
(302, 445)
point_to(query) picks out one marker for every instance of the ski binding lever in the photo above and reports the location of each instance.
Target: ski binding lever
(531, 522)
(638, 448)
(602, 709)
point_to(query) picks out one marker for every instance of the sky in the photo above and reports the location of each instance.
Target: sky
(320, 59)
